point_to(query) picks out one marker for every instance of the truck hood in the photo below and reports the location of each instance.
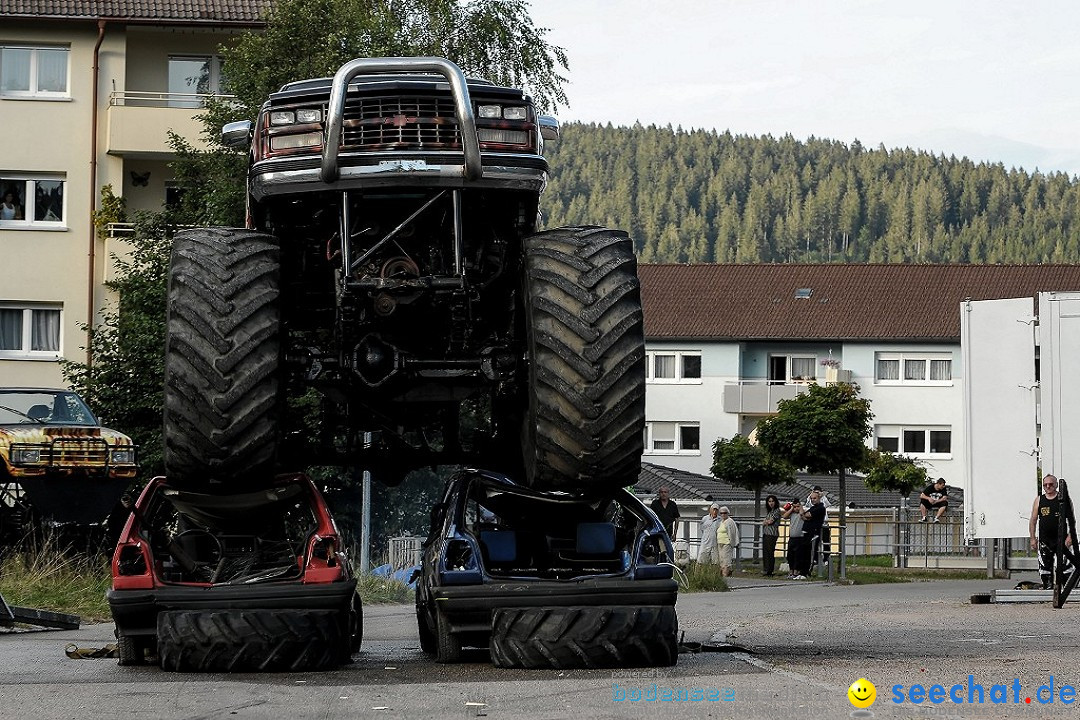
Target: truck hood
(47, 433)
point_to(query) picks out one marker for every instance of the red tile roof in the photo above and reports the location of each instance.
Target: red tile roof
(225, 12)
(846, 302)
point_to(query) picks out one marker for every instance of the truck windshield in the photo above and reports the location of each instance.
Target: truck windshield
(43, 407)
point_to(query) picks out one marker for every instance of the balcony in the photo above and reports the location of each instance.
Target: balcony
(759, 397)
(138, 122)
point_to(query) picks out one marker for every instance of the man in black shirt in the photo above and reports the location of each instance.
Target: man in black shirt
(666, 510)
(934, 498)
(1046, 516)
(813, 519)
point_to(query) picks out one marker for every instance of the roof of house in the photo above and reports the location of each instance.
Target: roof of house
(830, 301)
(224, 12)
(687, 485)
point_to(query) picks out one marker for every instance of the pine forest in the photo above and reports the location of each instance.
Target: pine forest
(704, 196)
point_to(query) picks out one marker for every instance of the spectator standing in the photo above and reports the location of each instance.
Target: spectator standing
(770, 533)
(666, 510)
(821, 493)
(934, 498)
(825, 534)
(708, 552)
(813, 520)
(793, 514)
(727, 540)
(1046, 517)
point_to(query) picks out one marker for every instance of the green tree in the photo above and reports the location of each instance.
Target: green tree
(749, 466)
(886, 472)
(495, 39)
(823, 431)
(124, 382)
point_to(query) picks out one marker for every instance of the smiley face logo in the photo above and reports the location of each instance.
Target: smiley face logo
(862, 693)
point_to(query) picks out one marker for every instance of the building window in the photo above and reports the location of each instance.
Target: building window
(174, 195)
(913, 369)
(691, 366)
(785, 369)
(29, 331)
(914, 440)
(670, 366)
(193, 76)
(31, 202)
(672, 438)
(33, 72)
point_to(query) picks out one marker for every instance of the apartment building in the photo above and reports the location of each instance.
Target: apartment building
(88, 91)
(726, 343)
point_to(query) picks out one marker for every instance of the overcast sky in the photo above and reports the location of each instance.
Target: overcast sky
(993, 80)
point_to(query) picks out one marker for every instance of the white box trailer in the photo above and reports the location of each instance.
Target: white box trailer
(1059, 344)
(1018, 426)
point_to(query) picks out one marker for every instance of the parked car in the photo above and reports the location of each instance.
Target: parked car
(219, 582)
(57, 463)
(546, 578)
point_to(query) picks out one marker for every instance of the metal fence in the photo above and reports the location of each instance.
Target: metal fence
(894, 532)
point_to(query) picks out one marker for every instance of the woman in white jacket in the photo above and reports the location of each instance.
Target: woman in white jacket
(727, 538)
(708, 552)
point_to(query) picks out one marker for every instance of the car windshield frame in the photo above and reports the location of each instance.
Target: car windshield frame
(15, 406)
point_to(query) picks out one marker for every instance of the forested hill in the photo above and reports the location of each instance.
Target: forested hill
(703, 196)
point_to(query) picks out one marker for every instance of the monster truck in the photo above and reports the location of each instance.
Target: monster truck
(391, 268)
(57, 463)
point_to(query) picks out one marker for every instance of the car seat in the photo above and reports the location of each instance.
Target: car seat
(39, 413)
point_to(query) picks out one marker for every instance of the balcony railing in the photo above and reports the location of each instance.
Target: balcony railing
(759, 397)
(139, 122)
(138, 98)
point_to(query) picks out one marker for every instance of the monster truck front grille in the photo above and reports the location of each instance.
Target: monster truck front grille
(79, 452)
(400, 123)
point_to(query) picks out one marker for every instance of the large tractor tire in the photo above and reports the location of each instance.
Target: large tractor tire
(222, 356)
(235, 640)
(585, 422)
(584, 637)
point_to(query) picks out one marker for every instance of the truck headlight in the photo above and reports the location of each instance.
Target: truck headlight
(279, 118)
(26, 456)
(508, 137)
(123, 457)
(282, 117)
(289, 142)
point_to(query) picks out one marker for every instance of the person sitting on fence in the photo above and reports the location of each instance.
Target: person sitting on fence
(934, 497)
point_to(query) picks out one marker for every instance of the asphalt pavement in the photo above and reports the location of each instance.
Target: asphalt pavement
(793, 650)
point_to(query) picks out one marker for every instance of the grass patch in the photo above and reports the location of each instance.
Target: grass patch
(885, 561)
(872, 575)
(375, 590)
(703, 577)
(49, 578)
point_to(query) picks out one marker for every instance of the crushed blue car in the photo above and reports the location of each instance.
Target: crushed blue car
(546, 579)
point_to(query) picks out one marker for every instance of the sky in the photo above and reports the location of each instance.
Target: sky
(993, 80)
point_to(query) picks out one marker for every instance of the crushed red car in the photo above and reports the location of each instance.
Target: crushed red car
(240, 581)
